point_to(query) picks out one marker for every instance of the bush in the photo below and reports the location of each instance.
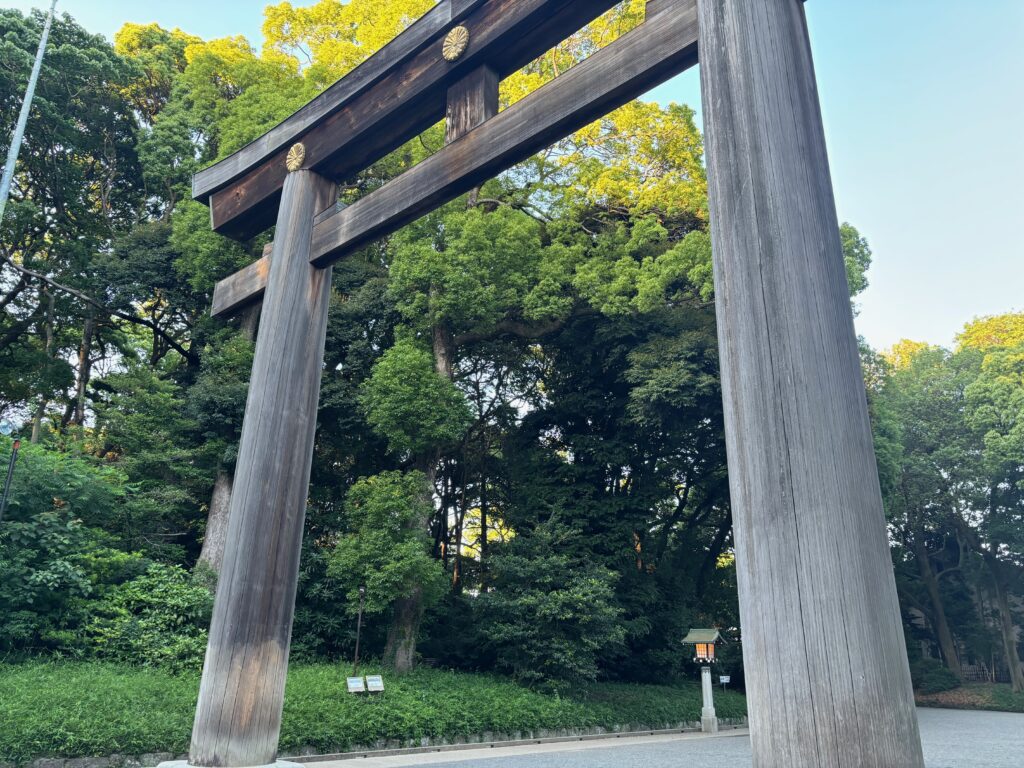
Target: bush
(51, 563)
(97, 709)
(552, 612)
(931, 676)
(159, 619)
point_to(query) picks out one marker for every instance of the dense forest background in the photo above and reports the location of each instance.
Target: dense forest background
(520, 450)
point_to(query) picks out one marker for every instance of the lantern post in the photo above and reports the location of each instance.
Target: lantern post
(703, 641)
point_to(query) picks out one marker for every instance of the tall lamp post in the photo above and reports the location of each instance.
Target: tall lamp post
(6, 428)
(704, 641)
(359, 627)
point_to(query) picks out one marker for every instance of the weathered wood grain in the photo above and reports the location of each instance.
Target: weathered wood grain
(403, 101)
(653, 7)
(424, 30)
(471, 101)
(240, 289)
(238, 717)
(825, 663)
(638, 61)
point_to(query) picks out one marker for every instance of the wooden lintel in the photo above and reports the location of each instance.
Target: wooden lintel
(385, 102)
(244, 287)
(426, 28)
(640, 60)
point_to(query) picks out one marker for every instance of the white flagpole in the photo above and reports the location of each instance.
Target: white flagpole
(26, 105)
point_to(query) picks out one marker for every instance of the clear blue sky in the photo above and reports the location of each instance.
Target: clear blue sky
(924, 109)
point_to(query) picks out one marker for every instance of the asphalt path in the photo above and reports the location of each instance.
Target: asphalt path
(951, 739)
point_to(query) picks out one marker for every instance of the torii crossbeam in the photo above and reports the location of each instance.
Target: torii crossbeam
(826, 669)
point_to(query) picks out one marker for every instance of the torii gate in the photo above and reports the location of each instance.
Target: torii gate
(826, 669)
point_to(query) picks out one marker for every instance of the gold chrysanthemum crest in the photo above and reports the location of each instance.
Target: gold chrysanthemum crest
(455, 43)
(296, 156)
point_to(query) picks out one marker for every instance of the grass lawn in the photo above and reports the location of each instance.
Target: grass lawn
(89, 709)
(995, 696)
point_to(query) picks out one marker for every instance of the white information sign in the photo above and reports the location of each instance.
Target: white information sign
(356, 685)
(374, 683)
(724, 679)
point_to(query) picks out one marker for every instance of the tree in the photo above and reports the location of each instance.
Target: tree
(955, 498)
(386, 549)
(994, 525)
(552, 613)
(924, 401)
(73, 191)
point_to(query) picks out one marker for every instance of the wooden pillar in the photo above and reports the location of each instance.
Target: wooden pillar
(824, 656)
(238, 718)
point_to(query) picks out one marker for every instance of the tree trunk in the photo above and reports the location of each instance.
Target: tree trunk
(1008, 628)
(400, 649)
(212, 554)
(938, 613)
(84, 370)
(37, 418)
(216, 536)
(483, 532)
(470, 102)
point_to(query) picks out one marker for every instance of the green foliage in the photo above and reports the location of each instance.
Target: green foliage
(480, 268)
(410, 404)
(386, 548)
(950, 426)
(205, 257)
(551, 612)
(143, 422)
(157, 619)
(1003, 699)
(930, 676)
(985, 333)
(856, 256)
(51, 561)
(78, 710)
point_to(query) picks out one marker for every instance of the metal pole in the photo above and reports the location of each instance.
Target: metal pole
(359, 629)
(26, 105)
(10, 475)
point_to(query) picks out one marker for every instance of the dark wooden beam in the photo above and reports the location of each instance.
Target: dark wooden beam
(627, 68)
(426, 29)
(386, 106)
(243, 288)
(471, 101)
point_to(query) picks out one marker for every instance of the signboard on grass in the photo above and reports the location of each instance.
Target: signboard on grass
(355, 685)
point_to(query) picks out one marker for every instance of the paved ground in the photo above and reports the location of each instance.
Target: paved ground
(952, 739)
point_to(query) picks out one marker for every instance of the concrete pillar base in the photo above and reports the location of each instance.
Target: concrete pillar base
(709, 724)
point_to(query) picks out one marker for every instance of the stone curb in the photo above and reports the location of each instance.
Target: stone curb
(384, 747)
(543, 737)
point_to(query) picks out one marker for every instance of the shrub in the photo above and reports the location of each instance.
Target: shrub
(931, 676)
(96, 709)
(552, 611)
(158, 619)
(387, 548)
(51, 562)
